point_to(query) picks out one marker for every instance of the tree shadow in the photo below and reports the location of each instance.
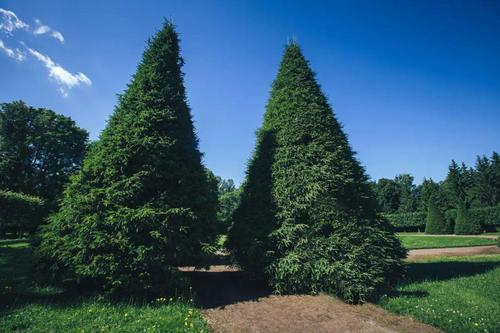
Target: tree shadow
(218, 289)
(440, 271)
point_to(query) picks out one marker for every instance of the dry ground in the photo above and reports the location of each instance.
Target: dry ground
(232, 305)
(306, 313)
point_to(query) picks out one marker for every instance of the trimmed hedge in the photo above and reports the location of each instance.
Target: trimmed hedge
(435, 222)
(20, 212)
(464, 224)
(407, 221)
(488, 218)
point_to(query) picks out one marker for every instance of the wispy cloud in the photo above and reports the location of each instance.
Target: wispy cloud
(42, 29)
(13, 53)
(10, 22)
(64, 78)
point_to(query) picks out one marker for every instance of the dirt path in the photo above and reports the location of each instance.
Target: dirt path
(232, 305)
(453, 251)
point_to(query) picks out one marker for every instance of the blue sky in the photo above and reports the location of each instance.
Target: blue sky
(415, 83)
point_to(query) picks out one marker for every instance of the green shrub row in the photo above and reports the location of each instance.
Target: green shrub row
(488, 218)
(407, 221)
(20, 212)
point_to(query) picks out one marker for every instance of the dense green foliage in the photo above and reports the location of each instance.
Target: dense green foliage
(142, 203)
(464, 223)
(229, 198)
(398, 195)
(476, 187)
(407, 221)
(39, 150)
(435, 222)
(20, 213)
(28, 307)
(307, 218)
(487, 217)
(455, 294)
(412, 241)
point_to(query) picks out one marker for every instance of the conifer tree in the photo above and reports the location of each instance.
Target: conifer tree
(464, 225)
(435, 222)
(307, 219)
(141, 203)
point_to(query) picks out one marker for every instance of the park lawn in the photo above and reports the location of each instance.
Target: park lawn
(456, 294)
(26, 307)
(413, 241)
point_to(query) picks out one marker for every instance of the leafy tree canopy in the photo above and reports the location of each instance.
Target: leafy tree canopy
(39, 150)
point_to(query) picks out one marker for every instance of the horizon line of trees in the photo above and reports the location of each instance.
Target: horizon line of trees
(472, 187)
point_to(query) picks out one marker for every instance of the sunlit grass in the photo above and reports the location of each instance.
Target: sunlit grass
(460, 294)
(414, 241)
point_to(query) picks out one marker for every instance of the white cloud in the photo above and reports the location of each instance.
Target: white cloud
(45, 29)
(65, 79)
(13, 53)
(9, 22)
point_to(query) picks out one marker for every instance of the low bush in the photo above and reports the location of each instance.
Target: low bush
(465, 224)
(435, 221)
(21, 213)
(407, 221)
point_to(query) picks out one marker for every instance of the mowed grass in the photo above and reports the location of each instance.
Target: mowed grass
(414, 241)
(460, 294)
(27, 307)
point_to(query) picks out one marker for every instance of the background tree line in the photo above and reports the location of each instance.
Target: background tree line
(474, 187)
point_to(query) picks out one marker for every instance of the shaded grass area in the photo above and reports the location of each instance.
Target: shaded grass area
(456, 294)
(413, 241)
(27, 307)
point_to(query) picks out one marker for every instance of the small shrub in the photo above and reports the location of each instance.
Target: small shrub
(20, 212)
(464, 224)
(435, 221)
(407, 221)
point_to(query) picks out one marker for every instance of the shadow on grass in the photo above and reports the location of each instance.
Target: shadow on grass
(16, 283)
(18, 287)
(440, 271)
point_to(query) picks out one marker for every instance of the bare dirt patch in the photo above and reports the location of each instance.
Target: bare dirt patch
(232, 304)
(453, 251)
(306, 313)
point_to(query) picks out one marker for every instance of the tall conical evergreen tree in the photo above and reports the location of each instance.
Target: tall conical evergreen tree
(307, 221)
(141, 203)
(435, 222)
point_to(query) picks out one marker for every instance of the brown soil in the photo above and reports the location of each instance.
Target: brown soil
(305, 313)
(232, 305)
(453, 251)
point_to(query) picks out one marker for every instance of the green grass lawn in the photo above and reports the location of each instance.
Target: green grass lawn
(414, 241)
(460, 294)
(27, 307)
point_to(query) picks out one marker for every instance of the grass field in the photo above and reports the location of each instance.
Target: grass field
(460, 294)
(415, 241)
(26, 307)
